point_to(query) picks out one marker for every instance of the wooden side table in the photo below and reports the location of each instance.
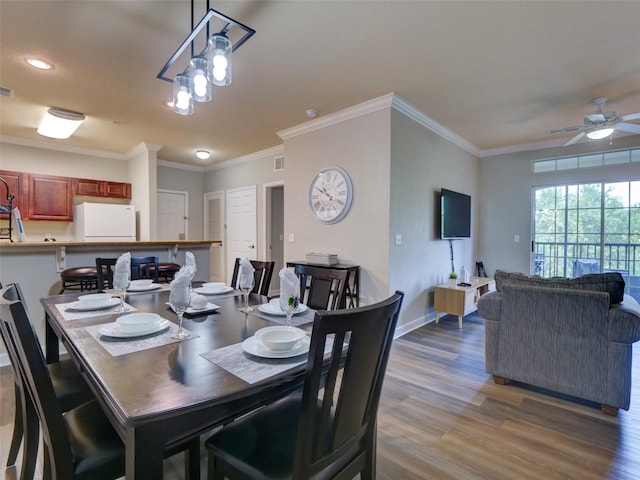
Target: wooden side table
(458, 300)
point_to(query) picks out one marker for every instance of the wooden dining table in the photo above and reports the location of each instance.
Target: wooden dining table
(158, 396)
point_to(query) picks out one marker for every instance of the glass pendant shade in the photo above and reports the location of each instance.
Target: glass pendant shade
(219, 57)
(200, 85)
(182, 96)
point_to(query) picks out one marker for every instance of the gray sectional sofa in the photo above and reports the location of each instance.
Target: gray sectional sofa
(572, 336)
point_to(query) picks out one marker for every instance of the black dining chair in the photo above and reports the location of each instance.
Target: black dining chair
(322, 288)
(81, 444)
(104, 271)
(328, 430)
(69, 387)
(144, 267)
(262, 276)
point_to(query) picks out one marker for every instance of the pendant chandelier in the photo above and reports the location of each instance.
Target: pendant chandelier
(211, 66)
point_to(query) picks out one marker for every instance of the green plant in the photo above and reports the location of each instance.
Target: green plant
(453, 275)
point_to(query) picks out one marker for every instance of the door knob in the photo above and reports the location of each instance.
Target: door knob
(252, 246)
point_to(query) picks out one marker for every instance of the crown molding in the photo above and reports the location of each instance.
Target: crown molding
(181, 166)
(61, 148)
(268, 152)
(350, 113)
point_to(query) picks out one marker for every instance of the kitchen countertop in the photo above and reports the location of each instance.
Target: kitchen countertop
(71, 243)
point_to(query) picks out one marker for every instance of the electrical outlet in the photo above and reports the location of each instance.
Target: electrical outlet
(516, 238)
(398, 239)
(292, 237)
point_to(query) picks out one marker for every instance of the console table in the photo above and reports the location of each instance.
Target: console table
(352, 292)
(458, 300)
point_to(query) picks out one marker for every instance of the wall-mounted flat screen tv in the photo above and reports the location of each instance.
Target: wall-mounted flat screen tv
(455, 215)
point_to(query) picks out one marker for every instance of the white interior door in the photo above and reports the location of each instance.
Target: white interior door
(173, 217)
(214, 230)
(241, 225)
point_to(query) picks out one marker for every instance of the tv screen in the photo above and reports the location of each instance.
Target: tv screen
(455, 215)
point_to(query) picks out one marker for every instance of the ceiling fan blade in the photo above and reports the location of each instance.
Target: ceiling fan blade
(630, 116)
(628, 127)
(575, 139)
(565, 130)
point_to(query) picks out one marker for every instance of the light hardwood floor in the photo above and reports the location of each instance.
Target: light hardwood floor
(442, 417)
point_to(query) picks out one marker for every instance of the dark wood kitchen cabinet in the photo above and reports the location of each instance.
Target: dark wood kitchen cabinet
(50, 197)
(17, 187)
(101, 188)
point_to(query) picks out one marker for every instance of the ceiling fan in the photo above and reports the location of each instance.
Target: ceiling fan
(600, 124)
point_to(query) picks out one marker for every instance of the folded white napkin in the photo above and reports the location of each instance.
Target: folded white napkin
(246, 271)
(122, 271)
(289, 284)
(190, 260)
(179, 292)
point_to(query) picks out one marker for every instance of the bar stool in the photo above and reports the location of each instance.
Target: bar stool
(79, 278)
(166, 271)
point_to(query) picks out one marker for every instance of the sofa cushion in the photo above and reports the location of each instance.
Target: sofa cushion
(611, 283)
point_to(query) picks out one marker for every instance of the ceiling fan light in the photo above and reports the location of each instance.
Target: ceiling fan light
(219, 55)
(600, 133)
(59, 123)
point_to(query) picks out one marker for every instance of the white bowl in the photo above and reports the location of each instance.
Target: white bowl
(213, 286)
(138, 322)
(94, 300)
(142, 283)
(280, 338)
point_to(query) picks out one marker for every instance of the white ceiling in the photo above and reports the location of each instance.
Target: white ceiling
(497, 73)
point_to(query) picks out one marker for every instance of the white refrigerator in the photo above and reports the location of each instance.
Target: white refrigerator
(104, 222)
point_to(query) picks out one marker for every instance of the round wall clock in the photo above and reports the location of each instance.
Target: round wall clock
(330, 194)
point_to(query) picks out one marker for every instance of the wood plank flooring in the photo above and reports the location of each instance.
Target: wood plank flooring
(442, 417)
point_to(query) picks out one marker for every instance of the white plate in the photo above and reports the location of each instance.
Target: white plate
(193, 311)
(154, 286)
(114, 330)
(253, 346)
(78, 307)
(204, 291)
(272, 309)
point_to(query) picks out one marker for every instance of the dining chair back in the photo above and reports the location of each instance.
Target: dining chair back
(328, 431)
(141, 267)
(322, 288)
(104, 270)
(81, 444)
(70, 390)
(144, 267)
(262, 276)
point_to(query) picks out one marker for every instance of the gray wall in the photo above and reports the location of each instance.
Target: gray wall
(187, 181)
(506, 185)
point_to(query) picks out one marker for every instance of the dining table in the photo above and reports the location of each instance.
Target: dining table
(158, 391)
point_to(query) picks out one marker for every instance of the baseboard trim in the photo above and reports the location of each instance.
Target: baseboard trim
(414, 324)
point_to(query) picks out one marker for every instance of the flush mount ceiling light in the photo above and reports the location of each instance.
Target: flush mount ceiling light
(211, 66)
(599, 133)
(59, 123)
(202, 154)
(38, 63)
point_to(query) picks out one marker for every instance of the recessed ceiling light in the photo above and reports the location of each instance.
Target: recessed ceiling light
(203, 154)
(38, 63)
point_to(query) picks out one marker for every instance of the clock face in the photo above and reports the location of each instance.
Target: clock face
(330, 194)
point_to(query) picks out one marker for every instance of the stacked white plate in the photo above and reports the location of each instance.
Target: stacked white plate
(277, 342)
(94, 301)
(135, 325)
(273, 308)
(213, 288)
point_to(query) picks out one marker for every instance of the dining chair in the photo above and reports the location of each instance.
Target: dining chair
(69, 387)
(262, 276)
(328, 430)
(81, 443)
(322, 288)
(104, 271)
(144, 267)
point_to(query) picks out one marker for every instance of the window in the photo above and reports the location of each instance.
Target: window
(585, 161)
(588, 228)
